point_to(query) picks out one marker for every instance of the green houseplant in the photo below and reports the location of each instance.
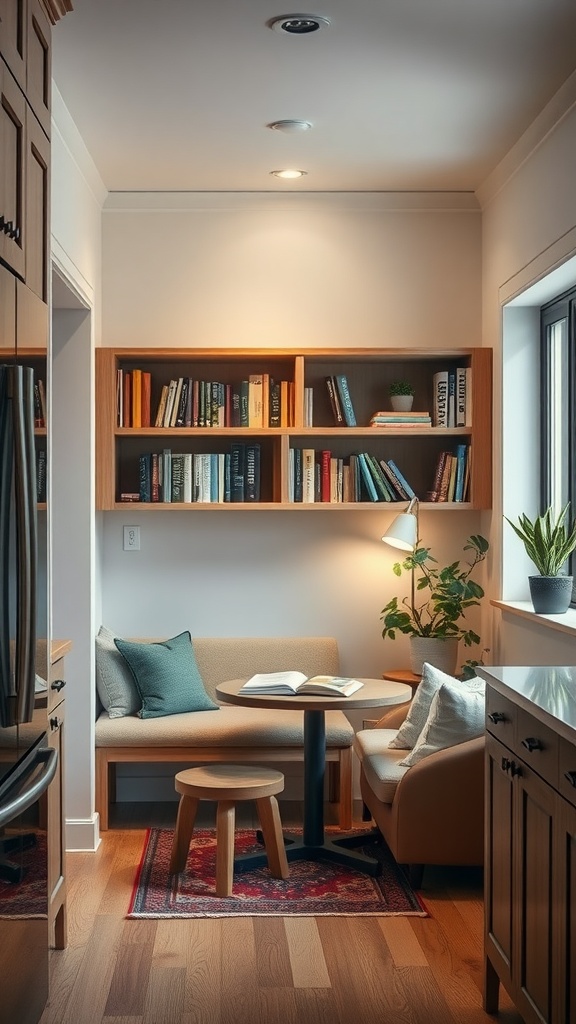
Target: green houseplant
(548, 540)
(445, 595)
(401, 395)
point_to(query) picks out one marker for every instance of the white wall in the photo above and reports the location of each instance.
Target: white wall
(76, 200)
(529, 230)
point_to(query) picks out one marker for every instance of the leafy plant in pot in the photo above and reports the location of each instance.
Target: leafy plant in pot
(548, 542)
(447, 594)
(401, 395)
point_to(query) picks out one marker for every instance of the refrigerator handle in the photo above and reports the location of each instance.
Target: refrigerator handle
(20, 803)
(25, 499)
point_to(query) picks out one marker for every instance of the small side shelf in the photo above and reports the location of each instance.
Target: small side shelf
(121, 451)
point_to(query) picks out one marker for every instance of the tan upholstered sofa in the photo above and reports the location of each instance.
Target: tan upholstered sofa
(232, 734)
(430, 813)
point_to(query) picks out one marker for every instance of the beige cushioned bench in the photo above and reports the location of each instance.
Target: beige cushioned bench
(232, 734)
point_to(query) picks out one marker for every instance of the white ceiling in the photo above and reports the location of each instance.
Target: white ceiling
(402, 94)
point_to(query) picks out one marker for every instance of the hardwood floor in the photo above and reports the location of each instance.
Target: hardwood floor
(336, 970)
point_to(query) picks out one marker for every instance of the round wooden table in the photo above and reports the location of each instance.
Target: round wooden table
(313, 844)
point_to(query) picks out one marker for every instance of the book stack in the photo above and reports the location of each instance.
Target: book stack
(452, 397)
(451, 475)
(401, 420)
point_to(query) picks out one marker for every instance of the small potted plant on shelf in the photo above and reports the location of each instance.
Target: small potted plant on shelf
(401, 395)
(433, 616)
(548, 541)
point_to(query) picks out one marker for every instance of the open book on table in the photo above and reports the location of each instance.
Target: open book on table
(290, 683)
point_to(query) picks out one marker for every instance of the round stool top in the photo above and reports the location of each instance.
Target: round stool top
(229, 782)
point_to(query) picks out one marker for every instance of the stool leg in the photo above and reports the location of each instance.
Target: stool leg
(187, 809)
(269, 814)
(225, 818)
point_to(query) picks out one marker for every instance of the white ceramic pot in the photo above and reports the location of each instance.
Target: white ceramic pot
(401, 403)
(442, 653)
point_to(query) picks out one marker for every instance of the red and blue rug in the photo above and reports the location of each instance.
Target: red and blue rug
(313, 888)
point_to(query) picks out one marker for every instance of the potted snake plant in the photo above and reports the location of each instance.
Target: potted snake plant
(548, 540)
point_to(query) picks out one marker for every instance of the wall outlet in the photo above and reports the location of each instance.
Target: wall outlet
(131, 538)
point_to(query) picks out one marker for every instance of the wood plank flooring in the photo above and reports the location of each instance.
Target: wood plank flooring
(262, 970)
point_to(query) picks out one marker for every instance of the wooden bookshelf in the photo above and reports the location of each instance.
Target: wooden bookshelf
(369, 373)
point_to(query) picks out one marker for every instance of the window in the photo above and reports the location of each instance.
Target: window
(558, 409)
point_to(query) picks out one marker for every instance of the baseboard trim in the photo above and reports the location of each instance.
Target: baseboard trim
(83, 834)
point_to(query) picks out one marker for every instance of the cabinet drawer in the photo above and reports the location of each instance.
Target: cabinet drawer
(567, 771)
(501, 715)
(537, 745)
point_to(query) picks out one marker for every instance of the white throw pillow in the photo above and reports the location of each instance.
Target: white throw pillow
(456, 714)
(409, 731)
(114, 680)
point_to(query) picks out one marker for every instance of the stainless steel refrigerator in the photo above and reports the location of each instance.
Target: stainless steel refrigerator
(27, 764)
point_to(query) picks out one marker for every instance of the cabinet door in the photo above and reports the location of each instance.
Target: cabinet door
(56, 845)
(499, 859)
(565, 880)
(13, 29)
(36, 224)
(38, 63)
(534, 895)
(12, 172)
(7, 314)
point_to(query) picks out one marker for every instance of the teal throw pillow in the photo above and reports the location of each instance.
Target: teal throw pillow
(167, 676)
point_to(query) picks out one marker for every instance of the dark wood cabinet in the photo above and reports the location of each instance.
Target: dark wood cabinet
(530, 864)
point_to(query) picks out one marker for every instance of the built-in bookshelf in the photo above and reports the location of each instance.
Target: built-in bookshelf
(129, 458)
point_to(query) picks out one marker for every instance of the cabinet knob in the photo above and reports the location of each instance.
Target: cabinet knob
(496, 716)
(571, 777)
(54, 723)
(515, 769)
(58, 684)
(506, 764)
(532, 744)
(8, 227)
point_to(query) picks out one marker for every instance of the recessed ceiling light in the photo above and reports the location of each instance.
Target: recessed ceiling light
(288, 174)
(298, 24)
(290, 127)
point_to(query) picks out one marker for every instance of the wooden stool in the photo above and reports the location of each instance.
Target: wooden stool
(228, 784)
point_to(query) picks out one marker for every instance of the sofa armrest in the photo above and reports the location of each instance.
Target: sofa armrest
(453, 777)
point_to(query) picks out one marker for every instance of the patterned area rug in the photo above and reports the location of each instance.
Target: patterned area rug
(314, 888)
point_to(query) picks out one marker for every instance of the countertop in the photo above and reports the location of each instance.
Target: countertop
(548, 692)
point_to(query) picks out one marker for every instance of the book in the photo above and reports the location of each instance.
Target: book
(334, 401)
(308, 476)
(291, 683)
(460, 469)
(345, 399)
(136, 398)
(401, 479)
(440, 398)
(380, 481)
(399, 494)
(255, 400)
(146, 477)
(237, 471)
(422, 419)
(461, 396)
(252, 473)
(145, 398)
(159, 421)
(432, 494)
(366, 476)
(451, 398)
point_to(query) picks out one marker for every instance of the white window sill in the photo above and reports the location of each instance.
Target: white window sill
(565, 623)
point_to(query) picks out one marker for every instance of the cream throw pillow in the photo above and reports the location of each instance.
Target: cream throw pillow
(456, 714)
(409, 731)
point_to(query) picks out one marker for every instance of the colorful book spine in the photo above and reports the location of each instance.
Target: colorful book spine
(460, 396)
(252, 487)
(367, 480)
(345, 399)
(401, 479)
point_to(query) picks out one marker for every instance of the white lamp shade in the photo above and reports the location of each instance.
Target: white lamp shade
(402, 532)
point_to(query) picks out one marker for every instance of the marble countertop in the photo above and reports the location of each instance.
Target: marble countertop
(547, 691)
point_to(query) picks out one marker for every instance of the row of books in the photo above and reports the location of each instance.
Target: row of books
(168, 476)
(320, 476)
(258, 401)
(452, 475)
(452, 397)
(39, 405)
(341, 400)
